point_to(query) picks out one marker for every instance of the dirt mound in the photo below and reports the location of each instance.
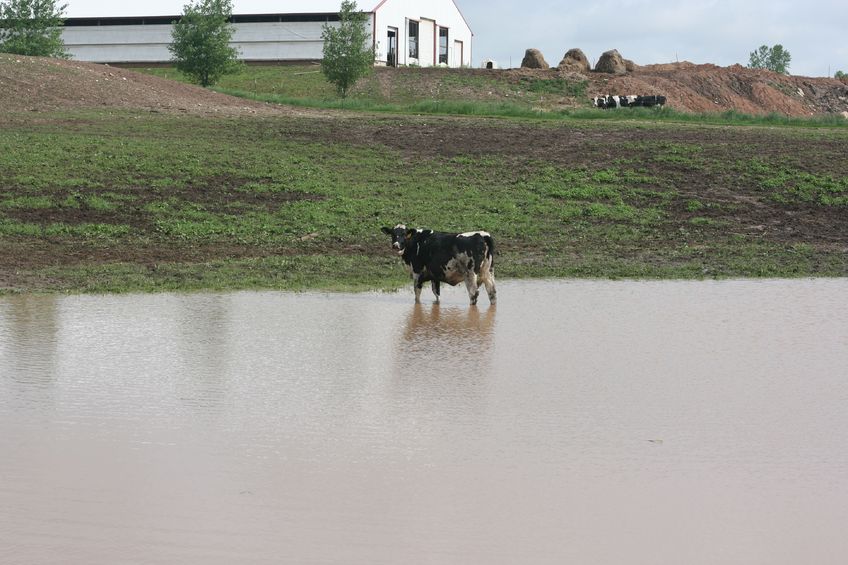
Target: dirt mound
(533, 59)
(709, 88)
(42, 84)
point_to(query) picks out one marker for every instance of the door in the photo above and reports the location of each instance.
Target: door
(457, 56)
(391, 47)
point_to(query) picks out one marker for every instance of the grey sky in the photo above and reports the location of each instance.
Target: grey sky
(723, 32)
(656, 31)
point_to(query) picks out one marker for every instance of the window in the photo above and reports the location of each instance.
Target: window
(413, 39)
(443, 45)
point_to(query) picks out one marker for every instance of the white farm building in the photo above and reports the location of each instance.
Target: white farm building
(403, 32)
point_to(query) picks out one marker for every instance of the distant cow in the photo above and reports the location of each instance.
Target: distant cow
(446, 257)
(630, 101)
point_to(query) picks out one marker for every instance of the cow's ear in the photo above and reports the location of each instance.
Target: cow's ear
(409, 233)
(386, 230)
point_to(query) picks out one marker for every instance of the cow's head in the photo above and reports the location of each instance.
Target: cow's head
(402, 236)
(399, 236)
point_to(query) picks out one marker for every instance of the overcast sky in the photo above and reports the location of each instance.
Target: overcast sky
(723, 32)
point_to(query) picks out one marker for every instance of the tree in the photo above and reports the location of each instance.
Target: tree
(840, 74)
(201, 41)
(772, 58)
(32, 27)
(347, 53)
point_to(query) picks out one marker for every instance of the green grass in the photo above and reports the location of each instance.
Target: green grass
(296, 272)
(788, 184)
(119, 202)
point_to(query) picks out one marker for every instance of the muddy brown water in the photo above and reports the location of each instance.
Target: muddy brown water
(576, 422)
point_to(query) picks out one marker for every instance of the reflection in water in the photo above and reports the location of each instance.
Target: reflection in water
(465, 327)
(202, 334)
(580, 422)
(442, 364)
(29, 327)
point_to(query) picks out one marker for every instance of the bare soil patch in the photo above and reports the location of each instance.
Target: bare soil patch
(39, 84)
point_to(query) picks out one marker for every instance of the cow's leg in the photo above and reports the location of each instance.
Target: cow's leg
(489, 281)
(471, 287)
(434, 285)
(417, 283)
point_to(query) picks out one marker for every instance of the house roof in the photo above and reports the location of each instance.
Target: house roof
(138, 8)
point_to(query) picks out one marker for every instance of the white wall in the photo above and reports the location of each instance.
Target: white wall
(267, 41)
(395, 13)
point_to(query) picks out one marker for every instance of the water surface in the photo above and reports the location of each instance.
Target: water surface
(578, 422)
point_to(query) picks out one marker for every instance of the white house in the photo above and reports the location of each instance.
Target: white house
(403, 32)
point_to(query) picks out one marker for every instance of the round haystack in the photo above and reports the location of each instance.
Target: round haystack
(575, 60)
(533, 59)
(612, 63)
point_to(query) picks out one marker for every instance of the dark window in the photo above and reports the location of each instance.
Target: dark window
(413, 39)
(443, 45)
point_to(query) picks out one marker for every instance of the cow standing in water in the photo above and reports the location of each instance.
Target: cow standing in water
(446, 257)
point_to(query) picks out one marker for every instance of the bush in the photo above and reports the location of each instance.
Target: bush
(32, 28)
(347, 55)
(772, 58)
(201, 41)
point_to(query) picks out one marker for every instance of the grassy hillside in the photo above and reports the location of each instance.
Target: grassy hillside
(701, 94)
(404, 87)
(124, 200)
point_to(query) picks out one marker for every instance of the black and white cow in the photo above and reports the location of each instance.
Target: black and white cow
(630, 101)
(446, 257)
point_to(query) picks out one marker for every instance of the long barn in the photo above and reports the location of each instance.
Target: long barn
(403, 32)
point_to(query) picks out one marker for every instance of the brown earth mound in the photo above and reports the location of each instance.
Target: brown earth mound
(709, 88)
(41, 84)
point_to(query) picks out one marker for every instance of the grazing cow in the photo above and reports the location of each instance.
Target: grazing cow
(446, 257)
(630, 101)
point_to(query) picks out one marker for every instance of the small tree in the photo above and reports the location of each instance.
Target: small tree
(32, 27)
(347, 53)
(201, 41)
(772, 58)
(840, 74)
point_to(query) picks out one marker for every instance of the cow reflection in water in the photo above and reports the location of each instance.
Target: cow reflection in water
(437, 324)
(442, 361)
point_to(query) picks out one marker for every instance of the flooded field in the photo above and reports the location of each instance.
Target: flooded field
(584, 422)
